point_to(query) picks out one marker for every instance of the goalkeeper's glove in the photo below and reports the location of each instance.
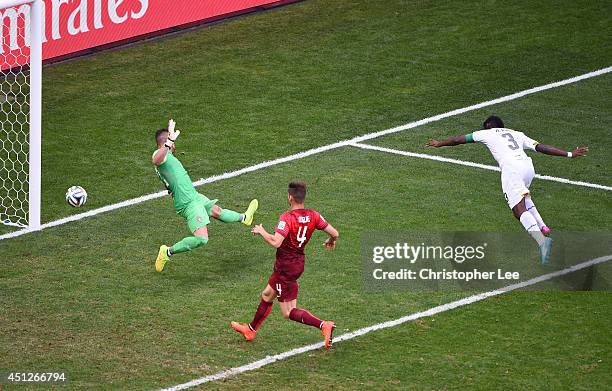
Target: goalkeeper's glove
(172, 134)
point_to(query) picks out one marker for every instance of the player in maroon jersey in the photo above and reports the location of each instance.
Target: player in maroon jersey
(292, 234)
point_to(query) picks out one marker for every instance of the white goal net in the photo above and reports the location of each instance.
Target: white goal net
(20, 94)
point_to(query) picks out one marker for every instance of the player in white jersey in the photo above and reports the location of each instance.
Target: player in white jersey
(507, 147)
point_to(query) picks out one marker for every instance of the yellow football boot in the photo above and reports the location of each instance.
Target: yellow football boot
(162, 258)
(250, 212)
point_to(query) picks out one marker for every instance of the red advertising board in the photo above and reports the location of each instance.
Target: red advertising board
(75, 25)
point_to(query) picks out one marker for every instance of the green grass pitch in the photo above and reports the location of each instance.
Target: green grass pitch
(84, 297)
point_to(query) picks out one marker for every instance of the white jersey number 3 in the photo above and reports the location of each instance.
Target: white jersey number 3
(511, 141)
(301, 235)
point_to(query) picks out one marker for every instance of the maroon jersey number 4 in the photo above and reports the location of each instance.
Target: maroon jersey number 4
(297, 227)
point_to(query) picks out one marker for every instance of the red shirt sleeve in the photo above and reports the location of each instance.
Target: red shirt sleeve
(283, 225)
(321, 223)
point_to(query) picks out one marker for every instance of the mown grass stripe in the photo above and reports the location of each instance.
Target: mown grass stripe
(313, 151)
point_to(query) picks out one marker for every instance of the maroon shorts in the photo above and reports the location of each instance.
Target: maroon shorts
(286, 289)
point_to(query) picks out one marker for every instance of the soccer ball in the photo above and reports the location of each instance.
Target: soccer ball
(76, 196)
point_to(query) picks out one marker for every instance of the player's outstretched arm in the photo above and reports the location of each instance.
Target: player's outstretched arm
(449, 142)
(330, 242)
(160, 155)
(554, 151)
(275, 240)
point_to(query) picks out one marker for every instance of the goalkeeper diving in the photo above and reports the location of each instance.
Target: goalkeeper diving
(194, 207)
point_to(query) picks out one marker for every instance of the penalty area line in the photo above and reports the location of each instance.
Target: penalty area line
(385, 325)
(475, 165)
(314, 151)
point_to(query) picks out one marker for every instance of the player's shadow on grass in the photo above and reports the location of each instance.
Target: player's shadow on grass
(209, 265)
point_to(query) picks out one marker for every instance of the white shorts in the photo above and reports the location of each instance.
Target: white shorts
(516, 179)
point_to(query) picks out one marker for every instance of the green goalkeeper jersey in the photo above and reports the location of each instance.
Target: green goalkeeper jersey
(177, 181)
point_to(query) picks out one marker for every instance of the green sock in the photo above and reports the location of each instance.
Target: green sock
(229, 216)
(188, 244)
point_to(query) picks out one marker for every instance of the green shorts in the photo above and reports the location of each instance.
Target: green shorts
(198, 212)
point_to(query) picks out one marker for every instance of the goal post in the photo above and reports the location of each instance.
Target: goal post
(21, 36)
(36, 34)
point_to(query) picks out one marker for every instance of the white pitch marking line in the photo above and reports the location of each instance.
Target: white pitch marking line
(314, 151)
(472, 164)
(384, 325)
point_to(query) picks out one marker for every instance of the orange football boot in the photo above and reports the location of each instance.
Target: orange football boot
(327, 329)
(244, 329)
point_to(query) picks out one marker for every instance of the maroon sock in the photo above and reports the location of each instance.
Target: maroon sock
(303, 316)
(263, 310)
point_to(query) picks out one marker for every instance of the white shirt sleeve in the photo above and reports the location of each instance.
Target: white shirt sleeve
(529, 143)
(479, 136)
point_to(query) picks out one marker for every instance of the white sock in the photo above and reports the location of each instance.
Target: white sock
(531, 226)
(534, 212)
